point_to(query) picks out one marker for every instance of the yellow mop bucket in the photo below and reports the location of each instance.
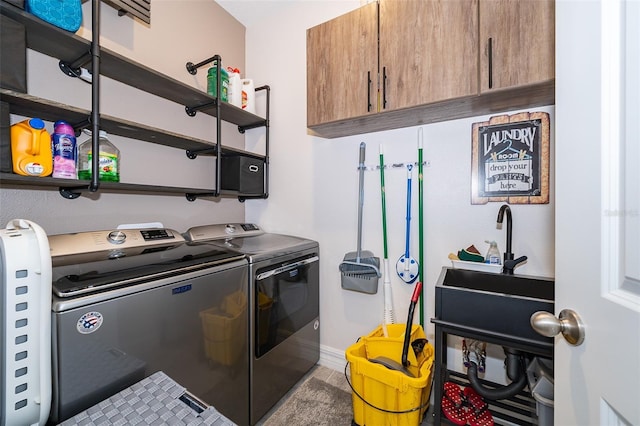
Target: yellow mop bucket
(382, 396)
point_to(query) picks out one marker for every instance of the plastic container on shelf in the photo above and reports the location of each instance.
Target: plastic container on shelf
(31, 148)
(63, 143)
(476, 266)
(235, 87)
(212, 83)
(399, 400)
(109, 162)
(248, 96)
(493, 253)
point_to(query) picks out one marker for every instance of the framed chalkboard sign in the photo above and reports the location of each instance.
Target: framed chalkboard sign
(510, 159)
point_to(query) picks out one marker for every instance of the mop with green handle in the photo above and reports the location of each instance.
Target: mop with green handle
(389, 317)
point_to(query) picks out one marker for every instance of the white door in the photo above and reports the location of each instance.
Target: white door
(598, 210)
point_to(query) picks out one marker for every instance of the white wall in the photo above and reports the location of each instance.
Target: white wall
(180, 31)
(314, 184)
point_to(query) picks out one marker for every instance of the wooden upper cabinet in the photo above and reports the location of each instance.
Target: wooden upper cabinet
(400, 63)
(428, 51)
(342, 67)
(517, 43)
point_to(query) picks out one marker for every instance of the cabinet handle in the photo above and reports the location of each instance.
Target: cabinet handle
(384, 87)
(490, 63)
(369, 91)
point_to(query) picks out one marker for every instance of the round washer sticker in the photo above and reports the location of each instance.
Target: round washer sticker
(89, 322)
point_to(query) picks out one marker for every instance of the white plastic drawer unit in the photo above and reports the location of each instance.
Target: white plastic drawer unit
(25, 324)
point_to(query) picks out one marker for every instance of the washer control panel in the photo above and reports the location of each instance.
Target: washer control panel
(112, 243)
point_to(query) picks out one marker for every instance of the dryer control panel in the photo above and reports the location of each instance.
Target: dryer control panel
(222, 231)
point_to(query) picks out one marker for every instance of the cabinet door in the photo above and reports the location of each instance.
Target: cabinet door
(517, 42)
(428, 51)
(342, 67)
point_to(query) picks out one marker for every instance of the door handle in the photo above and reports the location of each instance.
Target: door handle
(490, 65)
(286, 268)
(369, 91)
(384, 87)
(568, 323)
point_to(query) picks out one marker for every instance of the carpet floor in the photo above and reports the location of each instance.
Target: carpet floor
(321, 398)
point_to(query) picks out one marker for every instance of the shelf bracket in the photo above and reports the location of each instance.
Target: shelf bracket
(243, 198)
(193, 153)
(191, 111)
(193, 68)
(80, 126)
(192, 196)
(69, 193)
(242, 129)
(72, 69)
(73, 192)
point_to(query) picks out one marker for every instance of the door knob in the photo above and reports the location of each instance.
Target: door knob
(568, 323)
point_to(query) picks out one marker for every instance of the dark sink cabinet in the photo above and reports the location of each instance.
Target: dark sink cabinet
(493, 308)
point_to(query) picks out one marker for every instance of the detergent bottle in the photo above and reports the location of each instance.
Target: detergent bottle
(248, 96)
(31, 148)
(108, 161)
(212, 83)
(235, 87)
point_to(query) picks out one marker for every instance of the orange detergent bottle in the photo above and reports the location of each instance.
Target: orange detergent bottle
(31, 148)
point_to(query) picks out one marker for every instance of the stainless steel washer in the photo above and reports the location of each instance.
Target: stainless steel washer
(284, 283)
(129, 303)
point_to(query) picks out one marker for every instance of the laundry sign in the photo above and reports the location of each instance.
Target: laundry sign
(510, 159)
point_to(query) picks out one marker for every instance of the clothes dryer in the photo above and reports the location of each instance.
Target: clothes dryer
(284, 285)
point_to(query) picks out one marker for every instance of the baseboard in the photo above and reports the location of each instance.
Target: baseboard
(332, 358)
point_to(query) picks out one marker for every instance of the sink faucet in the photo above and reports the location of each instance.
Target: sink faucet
(509, 262)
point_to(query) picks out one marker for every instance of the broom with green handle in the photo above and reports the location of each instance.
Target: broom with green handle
(389, 317)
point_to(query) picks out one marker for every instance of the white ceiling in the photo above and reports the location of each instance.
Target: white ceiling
(249, 12)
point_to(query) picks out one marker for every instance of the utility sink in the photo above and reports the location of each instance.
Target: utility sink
(494, 307)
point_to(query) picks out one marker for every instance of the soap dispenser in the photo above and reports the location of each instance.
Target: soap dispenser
(493, 254)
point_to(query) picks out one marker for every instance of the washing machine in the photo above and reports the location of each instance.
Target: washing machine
(130, 303)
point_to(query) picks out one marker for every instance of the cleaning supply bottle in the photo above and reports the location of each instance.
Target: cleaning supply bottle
(63, 142)
(235, 87)
(493, 254)
(109, 161)
(212, 83)
(31, 148)
(248, 96)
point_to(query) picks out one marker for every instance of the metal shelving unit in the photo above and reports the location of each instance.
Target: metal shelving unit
(74, 52)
